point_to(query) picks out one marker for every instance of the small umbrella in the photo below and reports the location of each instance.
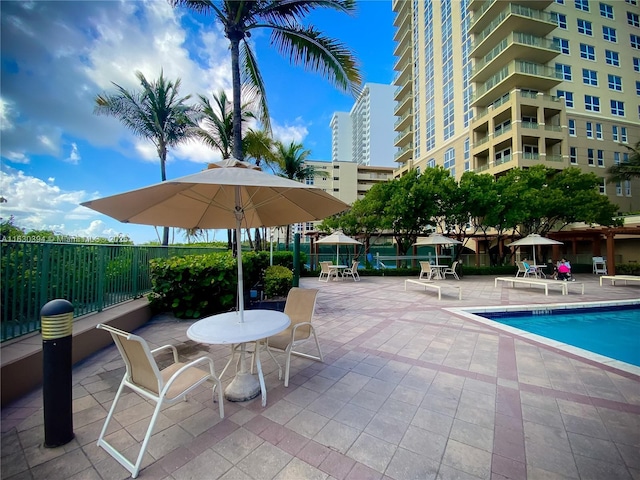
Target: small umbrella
(230, 194)
(437, 239)
(338, 238)
(533, 240)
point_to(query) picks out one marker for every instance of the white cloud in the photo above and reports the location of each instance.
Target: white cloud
(74, 156)
(289, 133)
(34, 203)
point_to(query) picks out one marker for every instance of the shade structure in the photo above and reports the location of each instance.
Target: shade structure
(338, 238)
(230, 194)
(437, 239)
(533, 240)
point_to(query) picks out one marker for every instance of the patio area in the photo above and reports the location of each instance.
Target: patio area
(408, 390)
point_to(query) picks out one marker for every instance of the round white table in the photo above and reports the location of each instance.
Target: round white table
(337, 269)
(227, 329)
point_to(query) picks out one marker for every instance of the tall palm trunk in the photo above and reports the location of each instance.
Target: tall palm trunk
(235, 38)
(162, 151)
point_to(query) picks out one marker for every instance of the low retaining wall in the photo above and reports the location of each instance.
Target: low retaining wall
(21, 359)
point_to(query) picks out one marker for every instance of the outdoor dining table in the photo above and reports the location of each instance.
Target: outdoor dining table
(226, 329)
(438, 270)
(539, 270)
(338, 269)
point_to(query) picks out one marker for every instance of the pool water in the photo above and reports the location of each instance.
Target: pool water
(610, 331)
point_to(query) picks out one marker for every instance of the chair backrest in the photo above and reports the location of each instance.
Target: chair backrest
(598, 259)
(142, 369)
(324, 267)
(521, 267)
(354, 266)
(300, 305)
(454, 265)
(425, 266)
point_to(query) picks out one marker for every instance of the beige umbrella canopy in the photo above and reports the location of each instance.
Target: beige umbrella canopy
(230, 194)
(437, 239)
(338, 238)
(533, 240)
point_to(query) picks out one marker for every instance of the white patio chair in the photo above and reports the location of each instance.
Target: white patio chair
(325, 272)
(353, 271)
(163, 387)
(426, 271)
(451, 270)
(300, 305)
(599, 265)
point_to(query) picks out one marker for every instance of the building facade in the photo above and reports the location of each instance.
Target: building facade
(365, 135)
(487, 86)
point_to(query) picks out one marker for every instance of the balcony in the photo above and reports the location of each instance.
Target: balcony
(516, 46)
(404, 120)
(482, 16)
(517, 74)
(514, 18)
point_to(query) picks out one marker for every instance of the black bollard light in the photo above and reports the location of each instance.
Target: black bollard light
(56, 325)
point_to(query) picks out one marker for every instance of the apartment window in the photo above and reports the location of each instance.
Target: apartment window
(602, 187)
(568, 98)
(584, 27)
(501, 127)
(606, 10)
(623, 134)
(612, 58)
(637, 87)
(564, 71)
(563, 44)
(467, 155)
(561, 2)
(592, 103)
(616, 158)
(618, 189)
(582, 5)
(635, 41)
(561, 19)
(617, 108)
(589, 130)
(614, 133)
(609, 34)
(589, 77)
(631, 2)
(590, 158)
(587, 51)
(627, 188)
(431, 163)
(503, 156)
(633, 19)
(309, 181)
(600, 154)
(450, 160)
(599, 131)
(573, 155)
(572, 127)
(636, 64)
(615, 82)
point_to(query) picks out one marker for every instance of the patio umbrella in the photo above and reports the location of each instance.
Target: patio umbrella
(230, 194)
(533, 240)
(437, 239)
(337, 239)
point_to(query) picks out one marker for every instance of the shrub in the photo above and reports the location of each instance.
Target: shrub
(277, 281)
(194, 285)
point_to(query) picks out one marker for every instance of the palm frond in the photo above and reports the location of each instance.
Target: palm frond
(254, 83)
(291, 12)
(307, 47)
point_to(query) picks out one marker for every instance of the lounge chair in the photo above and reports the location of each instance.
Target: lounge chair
(300, 305)
(325, 272)
(426, 272)
(451, 270)
(353, 271)
(162, 387)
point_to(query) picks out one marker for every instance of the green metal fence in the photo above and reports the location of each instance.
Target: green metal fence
(91, 277)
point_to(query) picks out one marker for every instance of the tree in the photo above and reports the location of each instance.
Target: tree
(626, 170)
(290, 160)
(156, 113)
(303, 45)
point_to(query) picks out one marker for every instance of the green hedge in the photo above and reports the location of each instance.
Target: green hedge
(193, 286)
(278, 280)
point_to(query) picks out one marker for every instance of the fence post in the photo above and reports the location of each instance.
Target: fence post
(56, 324)
(296, 260)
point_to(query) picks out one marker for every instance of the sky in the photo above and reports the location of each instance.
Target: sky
(58, 55)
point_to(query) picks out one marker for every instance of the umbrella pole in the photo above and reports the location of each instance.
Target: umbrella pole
(244, 386)
(337, 254)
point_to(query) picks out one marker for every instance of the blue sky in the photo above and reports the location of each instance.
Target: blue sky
(56, 56)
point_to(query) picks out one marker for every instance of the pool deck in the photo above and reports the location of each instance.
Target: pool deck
(409, 390)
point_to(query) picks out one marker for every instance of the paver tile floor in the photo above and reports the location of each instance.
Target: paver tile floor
(408, 390)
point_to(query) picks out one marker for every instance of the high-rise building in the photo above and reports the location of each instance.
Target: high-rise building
(365, 135)
(490, 85)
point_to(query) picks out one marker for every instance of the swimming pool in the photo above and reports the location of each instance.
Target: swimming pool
(607, 332)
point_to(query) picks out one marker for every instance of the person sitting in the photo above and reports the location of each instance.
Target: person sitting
(564, 270)
(529, 268)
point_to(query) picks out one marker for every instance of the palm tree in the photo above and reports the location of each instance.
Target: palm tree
(627, 170)
(303, 45)
(290, 161)
(156, 113)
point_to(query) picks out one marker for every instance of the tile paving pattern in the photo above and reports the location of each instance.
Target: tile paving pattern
(407, 391)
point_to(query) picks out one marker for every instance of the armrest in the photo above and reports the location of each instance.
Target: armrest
(164, 347)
